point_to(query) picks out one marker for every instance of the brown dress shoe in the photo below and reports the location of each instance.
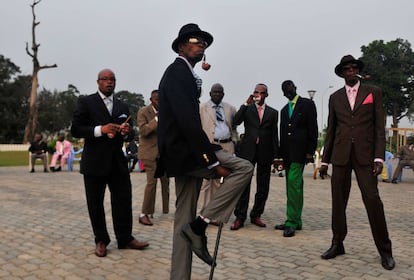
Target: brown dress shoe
(145, 220)
(134, 244)
(100, 249)
(258, 222)
(238, 223)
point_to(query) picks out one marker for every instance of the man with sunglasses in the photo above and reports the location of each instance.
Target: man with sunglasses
(260, 147)
(355, 140)
(187, 154)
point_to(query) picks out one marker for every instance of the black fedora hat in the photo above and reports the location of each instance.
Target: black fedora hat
(347, 59)
(191, 29)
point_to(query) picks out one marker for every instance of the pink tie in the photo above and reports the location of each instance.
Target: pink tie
(260, 111)
(351, 97)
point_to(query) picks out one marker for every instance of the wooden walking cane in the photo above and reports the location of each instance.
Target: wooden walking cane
(216, 251)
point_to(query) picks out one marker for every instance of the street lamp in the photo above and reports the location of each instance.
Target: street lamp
(322, 121)
(311, 93)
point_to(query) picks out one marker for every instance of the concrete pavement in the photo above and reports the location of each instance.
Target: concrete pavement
(45, 233)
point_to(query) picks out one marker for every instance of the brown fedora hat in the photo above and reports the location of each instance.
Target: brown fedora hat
(191, 29)
(346, 60)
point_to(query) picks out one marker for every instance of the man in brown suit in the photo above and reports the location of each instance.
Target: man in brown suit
(406, 158)
(355, 140)
(148, 152)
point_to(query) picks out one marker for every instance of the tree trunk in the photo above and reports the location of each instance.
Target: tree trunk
(31, 124)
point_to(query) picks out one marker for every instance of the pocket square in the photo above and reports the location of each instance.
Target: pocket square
(123, 116)
(368, 100)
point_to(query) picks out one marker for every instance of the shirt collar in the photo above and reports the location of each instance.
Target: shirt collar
(103, 96)
(355, 87)
(295, 99)
(214, 105)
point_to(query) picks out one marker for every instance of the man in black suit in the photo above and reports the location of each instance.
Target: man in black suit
(105, 124)
(260, 147)
(298, 140)
(187, 154)
(355, 140)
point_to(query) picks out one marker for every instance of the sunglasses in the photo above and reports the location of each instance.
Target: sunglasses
(260, 92)
(197, 41)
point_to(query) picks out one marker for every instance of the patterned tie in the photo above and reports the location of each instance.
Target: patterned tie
(109, 105)
(198, 81)
(290, 111)
(219, 115)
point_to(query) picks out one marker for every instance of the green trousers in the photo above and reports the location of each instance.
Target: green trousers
(294, 193)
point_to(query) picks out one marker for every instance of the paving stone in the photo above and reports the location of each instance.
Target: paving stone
(46, 234)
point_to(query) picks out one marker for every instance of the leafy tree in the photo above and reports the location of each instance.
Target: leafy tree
(134, 100)
(8, 70)
(55, 109)
(391, 66)
(14, 107)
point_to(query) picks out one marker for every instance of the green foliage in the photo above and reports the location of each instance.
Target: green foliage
(135, 102)
(391, 66)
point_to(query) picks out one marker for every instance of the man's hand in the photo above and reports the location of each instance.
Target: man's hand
(110, 129)
(377, 168)
(222, 171)
(124, 128)
(309, 159)
(323, 171)
(250, 99)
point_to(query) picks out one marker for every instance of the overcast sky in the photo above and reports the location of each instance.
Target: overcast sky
(265, 41)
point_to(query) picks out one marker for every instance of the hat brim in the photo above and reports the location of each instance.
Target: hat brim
(205, 35)
(338, 68)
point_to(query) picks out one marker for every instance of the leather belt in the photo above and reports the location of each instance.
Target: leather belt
(222, 140)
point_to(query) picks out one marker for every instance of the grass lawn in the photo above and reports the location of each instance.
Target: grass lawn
(15, 158)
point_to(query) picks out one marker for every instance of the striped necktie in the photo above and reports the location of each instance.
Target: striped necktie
(219, 115)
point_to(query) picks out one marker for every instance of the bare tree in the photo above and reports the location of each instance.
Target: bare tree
(32, 119)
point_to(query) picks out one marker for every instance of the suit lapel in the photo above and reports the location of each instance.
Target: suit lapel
(361, 95)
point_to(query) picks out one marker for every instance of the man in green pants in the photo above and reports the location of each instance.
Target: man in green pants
(298, 140)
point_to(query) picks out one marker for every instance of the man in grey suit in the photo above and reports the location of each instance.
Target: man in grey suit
(217, 121)
(187, 154)
(355, 140)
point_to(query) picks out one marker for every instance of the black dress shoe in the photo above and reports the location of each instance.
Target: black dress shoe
(335, 250)
(394, 181)
(288, 232)
(388, 262)
(282, 227)
(198, 244)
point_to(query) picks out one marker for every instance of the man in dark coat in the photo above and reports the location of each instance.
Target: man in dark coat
(103, 121)
(187, 154)
(298, 141)
(259, 146)
(355, 140)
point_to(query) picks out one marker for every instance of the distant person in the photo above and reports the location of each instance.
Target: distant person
(187, 154)
(259, 146)
(148, 153)
(38, 149)
(62, 153)
(217, 121)
(406, 158)
(298, 141)
(132, 154)
(103, 121)
(355, 140)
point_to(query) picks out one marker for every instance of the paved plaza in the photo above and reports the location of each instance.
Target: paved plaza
(45, 233)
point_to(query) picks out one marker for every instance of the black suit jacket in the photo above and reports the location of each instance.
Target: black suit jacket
(266, 131)
(362, 127)
(182, 143)
(298, 134)
(100, 154)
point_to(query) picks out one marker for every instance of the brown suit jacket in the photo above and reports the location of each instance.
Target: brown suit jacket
(363, 127)
(147, 125)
